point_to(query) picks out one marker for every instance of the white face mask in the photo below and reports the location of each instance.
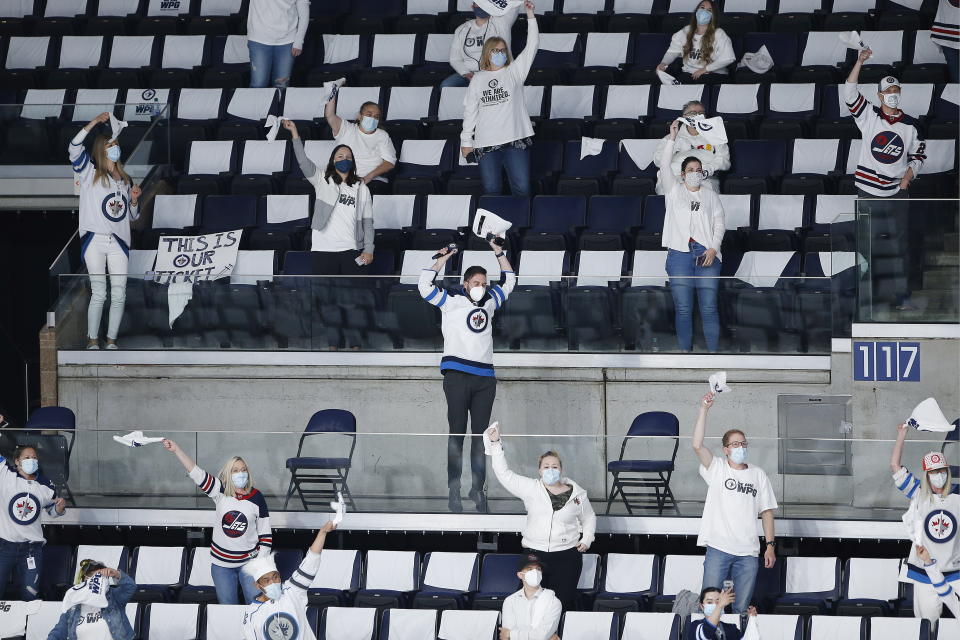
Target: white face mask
(938, 480)
(476, 293)
(892, 100)
(533, 577)
(693, 179)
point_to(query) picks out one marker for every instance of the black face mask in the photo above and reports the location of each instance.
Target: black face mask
(480, 13)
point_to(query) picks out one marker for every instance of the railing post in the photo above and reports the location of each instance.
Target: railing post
(48, 366)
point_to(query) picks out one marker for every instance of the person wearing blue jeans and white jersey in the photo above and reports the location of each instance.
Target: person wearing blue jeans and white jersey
(275, 32)
(467, 44)
(496, 123)
(693, 229)
(736, 493)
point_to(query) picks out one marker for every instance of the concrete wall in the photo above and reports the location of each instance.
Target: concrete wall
(259, 412)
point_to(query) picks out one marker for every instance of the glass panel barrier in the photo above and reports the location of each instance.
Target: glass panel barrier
(910, 253)
(757, 314)
(406, 472)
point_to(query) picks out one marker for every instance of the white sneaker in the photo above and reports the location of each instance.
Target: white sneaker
(93, 346)
(112, 346)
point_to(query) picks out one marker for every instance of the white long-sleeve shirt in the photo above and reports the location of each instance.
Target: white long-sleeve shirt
(278, 22)
(286, 617)
(23, 500)
(535, 618)
(468, 39)
(546, 529)
(104, 205)
(494, 109)
(690, 214)
(722, 52)
(891, 145)
(946, 26)
(712, 158)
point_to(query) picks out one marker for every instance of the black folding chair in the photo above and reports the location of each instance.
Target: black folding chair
(317, 480)
(642, 475)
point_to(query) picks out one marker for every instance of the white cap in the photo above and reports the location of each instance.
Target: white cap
(888, 82)
(927, 416)
(497, 7)
(486, 222)
(260, 566)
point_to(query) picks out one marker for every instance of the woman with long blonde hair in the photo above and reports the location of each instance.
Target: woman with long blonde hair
(242, 531)
(497, 132)
(704, 47)
(109, 200)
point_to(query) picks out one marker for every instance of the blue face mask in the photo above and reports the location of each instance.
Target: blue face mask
(551, 476)
(114, 153)
(708, 609)
(368, 124)
(240, 479)
(480, 13)
(343, 166)
(704, 17)
(274, 591)
(29, 465)
(739, 455)
(498, 58)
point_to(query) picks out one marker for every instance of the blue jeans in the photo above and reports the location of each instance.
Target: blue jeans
(455, 80)
(718, 566)
(515, 161)
(270, 61)
(226, 580)
(680, 263)
(14, 562)
(953, 63)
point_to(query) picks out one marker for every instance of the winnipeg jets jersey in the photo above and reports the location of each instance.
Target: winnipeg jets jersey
(890, 145)
(242, 529)
(105, 207)
(286, 618)
(22, 501)
(934, 521)
(466, 326)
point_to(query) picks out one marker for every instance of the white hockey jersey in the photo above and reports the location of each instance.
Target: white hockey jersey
(946, 26)
(467, 327)
(286, 618)
(934, 521)
(243, 528)
(890, 145)
(23, 500)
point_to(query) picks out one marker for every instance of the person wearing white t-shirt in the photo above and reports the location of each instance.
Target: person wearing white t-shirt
(496, 122)
(693, 230)
(467, 44)
(275, 33)
(704, 47)
(533, 612)
(736, 493)
(372, 148)
(95, 607)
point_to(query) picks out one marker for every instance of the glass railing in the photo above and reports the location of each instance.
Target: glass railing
(839, 477)
(632, 314)
(912, 253)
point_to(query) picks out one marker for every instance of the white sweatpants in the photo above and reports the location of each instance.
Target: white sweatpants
(105, 255)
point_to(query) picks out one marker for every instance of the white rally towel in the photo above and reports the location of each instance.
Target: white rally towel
(13, 617)
(712, 129)
(927, 416)
(332, 87)
(752, 631)
(759, 62)
(666, 78)
(590, 146)
(497, 7)
(852, 40)
(339, 508)
(136, 439)
(91, 592)
(718, 382)
(116, 126)
(487, 442)
(487, 223)
(273, 123)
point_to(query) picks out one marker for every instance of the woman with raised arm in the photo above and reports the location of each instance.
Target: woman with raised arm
(95, 607)
(932, 520)
(560, 523)
(243, 523)
(109, 201)
(372, 147)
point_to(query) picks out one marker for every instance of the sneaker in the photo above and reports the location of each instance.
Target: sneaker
(479, 499)
(454, 502)
(112, 346)
(93, 346)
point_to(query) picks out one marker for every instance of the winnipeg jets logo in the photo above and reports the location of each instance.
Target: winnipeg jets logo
(114, 207)
(477, 320)
(234, 524)
(941, 526)
(24, 509)
(887, 147)
(281, 626)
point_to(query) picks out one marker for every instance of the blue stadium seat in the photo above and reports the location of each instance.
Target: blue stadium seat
(764, 304)
(647, 315)
(162, 620)
(515, 209)
(287, 561)
(819, 582)
(870, 587)
(546, 163)
(56, 576)
(337, 578)
(390, 579)
(609, 220)
(648, 236)
(756, 166)
(555, 222)
(398, 623)
(159, 573)
(498, 579)
(648, 50)
(226, 213)
(588, 176)
(448, 579)
(576, 624)
(783, 48)
(199, 585)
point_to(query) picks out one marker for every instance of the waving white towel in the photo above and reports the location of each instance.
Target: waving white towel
(852, 40)
(718, 382)
(136, 439)
(91, 592)
(116, 126)
(927, 416)
(339, 508)
(273, 122)
(497, 7)
(332, 87)
(712, 129)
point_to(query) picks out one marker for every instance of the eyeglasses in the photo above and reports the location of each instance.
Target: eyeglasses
(694, 114)
(739, 444)
(499, 51)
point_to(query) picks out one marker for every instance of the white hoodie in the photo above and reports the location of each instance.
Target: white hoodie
(546, 529)
(712, 158)
(276, 22)
(494, 109)
(468, 39)
(722, 52)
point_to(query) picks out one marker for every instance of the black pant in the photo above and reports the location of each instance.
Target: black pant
(473, 394)
(561, 572)
(378, 187)
(336, 263)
